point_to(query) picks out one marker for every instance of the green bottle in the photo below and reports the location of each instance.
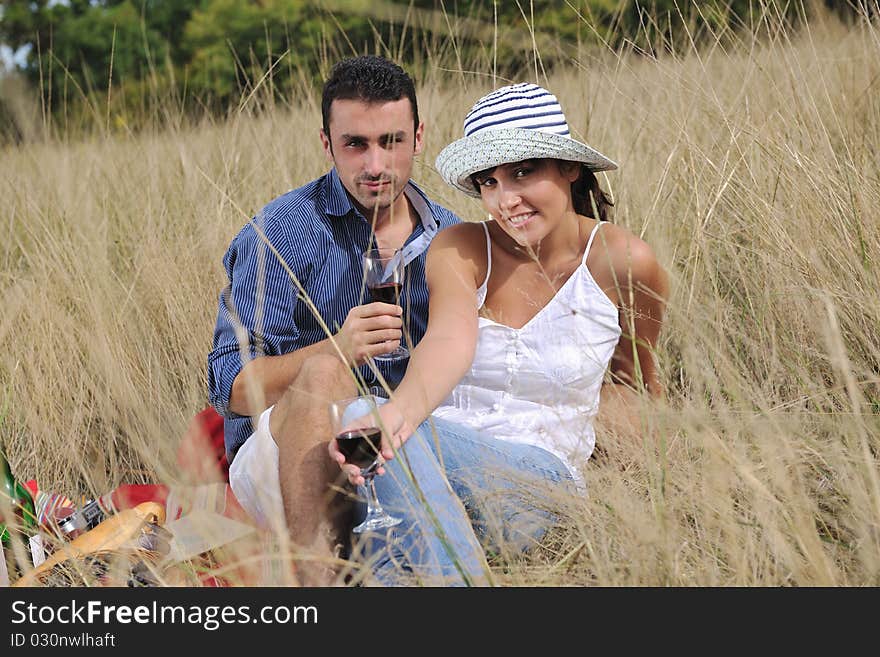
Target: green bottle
(17, 500)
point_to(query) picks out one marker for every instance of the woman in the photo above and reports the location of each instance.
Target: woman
(528, 309)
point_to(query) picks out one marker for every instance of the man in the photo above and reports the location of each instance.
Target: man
(295, 277)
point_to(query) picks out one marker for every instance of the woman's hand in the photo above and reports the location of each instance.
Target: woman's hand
(396, 429)
(395, 432)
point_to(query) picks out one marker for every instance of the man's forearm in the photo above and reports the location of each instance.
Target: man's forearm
(262, 381)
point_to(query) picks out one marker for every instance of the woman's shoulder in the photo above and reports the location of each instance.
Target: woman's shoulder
(465, 230)
(466, 238)
(617, 248)
(461, 247)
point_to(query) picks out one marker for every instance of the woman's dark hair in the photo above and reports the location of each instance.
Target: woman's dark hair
(586, 193)
(368, 78)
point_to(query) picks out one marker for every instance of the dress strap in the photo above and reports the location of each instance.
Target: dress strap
(485, 225)
(590, 241)
(481, 291)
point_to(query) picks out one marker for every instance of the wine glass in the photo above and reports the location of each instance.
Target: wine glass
(361, 448)
(383, 276)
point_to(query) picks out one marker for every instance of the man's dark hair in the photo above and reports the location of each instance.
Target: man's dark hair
(368, 78)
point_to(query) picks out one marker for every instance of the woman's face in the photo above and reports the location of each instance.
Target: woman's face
(528, 199)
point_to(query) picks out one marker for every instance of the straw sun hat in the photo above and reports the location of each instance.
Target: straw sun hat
(514, 123)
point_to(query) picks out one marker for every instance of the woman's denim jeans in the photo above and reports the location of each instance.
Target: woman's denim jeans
(458, 491)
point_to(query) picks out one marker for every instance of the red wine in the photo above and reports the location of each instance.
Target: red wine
(386, 292)
(361, 446)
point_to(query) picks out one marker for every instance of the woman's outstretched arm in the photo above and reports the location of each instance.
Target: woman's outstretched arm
(446, 351)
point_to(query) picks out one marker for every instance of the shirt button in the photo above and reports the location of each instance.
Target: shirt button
(496, 406)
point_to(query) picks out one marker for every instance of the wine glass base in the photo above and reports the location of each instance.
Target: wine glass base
(391, 356)
(378, 522)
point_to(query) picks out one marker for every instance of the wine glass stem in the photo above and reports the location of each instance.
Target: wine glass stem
(373, 506)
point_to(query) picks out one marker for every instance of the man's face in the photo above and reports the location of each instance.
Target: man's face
(372, 146)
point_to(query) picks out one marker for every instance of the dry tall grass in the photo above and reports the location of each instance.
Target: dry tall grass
(754, 171)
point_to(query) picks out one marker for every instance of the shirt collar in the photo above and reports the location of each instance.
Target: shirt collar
(423, 207)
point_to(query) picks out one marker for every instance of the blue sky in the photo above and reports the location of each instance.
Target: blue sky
(10, 59)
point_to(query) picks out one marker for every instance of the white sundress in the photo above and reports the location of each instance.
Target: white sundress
(540, 384)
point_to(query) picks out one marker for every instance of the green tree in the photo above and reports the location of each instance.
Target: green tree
(80, 44)
(227, 41)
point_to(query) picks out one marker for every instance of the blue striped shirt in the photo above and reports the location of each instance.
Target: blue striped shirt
(321, 236)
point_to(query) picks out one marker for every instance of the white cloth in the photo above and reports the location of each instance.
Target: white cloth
(253, 476)
(540, 384)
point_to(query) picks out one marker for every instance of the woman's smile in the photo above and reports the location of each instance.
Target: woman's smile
(522, 219)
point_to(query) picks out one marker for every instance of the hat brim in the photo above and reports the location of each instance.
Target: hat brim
(491, 148)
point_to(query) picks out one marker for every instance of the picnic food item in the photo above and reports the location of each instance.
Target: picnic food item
(132, 532)
(75, 521)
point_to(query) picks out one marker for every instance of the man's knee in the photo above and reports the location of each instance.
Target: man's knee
(320, 378)
(323, 372)
(323, 365)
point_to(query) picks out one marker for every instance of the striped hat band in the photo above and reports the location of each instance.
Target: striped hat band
(524, 105)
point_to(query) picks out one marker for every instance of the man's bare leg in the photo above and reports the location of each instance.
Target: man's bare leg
(300, 424)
